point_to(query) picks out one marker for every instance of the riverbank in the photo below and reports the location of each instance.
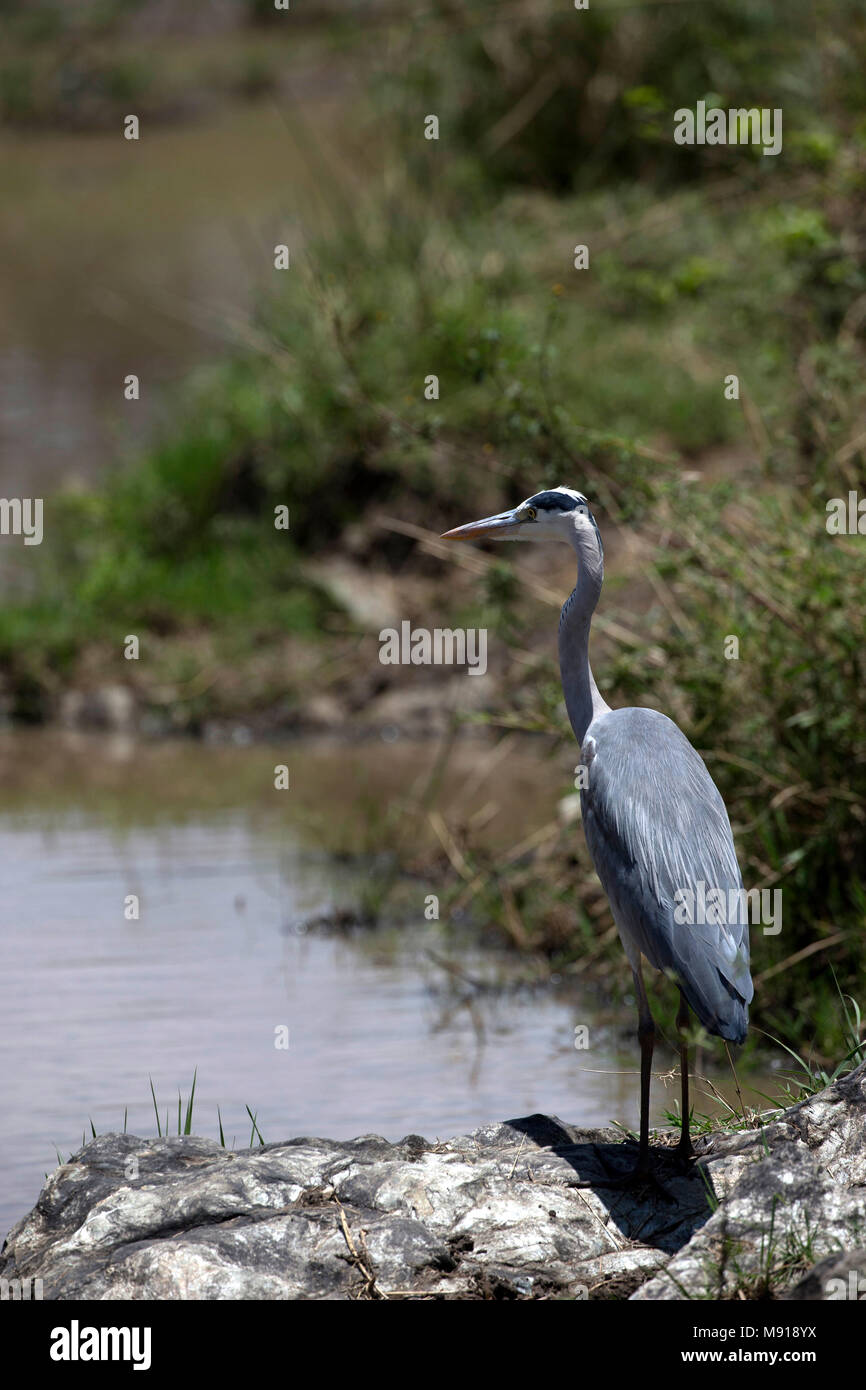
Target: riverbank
(517, 1210)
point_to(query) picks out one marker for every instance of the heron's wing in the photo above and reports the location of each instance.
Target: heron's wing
(658, 831)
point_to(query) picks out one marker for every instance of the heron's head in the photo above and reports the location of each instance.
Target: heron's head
(556, 515)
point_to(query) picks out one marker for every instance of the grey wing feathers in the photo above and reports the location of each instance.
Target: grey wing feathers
(657, 828)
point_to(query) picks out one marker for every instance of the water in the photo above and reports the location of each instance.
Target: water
(226, 872)
(119, 257)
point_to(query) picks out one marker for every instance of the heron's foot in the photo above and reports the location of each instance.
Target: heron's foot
(642, 1179)
(685, 1153)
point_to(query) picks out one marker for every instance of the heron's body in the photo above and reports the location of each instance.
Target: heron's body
(633, 759)
(655, 822)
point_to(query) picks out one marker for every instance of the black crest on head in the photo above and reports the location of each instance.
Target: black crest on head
(556, 501)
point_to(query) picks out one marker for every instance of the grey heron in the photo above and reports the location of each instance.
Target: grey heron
(655, 822)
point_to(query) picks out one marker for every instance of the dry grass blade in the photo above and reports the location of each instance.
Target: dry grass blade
(807, 951)
(450, 846)
(360, 1261)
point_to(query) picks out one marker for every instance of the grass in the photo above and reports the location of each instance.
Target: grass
(183, 1125)
(782, 1257)
(809, 1078)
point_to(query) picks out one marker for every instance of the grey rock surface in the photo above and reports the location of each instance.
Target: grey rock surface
(793, 1194)
(524, 1209)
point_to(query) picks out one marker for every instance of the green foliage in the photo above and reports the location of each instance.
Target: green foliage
(559, 98)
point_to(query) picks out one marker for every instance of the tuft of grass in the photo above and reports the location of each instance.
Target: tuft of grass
(184, 1119)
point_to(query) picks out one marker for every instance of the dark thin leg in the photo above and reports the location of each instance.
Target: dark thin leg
(646, 1033)
(642, 1175)
(684, 1147)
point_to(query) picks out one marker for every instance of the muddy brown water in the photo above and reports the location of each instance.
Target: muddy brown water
(145, 257)
(218, 964)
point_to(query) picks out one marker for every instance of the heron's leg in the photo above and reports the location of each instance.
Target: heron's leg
(646, 1032)
(684, 1147)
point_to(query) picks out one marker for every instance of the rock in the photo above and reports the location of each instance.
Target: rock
(110, 707)
(324, 712)
(568, 808)
(427, 707)
(373, 599)
(504, 1212)
(791, 1194)
(839, 1277)
(496, 1214)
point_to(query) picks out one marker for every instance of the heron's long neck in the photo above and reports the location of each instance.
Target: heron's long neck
(582, 699)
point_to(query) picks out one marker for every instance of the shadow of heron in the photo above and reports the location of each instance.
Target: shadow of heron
(663, 1212)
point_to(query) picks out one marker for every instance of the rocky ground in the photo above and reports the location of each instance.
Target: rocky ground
(335, 685)
(523, 1210)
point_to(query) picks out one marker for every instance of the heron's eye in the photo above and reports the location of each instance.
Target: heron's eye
(530, 513)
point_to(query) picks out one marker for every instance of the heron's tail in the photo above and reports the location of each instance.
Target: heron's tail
(727, 1017)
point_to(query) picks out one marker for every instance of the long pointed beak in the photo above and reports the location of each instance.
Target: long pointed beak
(503, 521)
